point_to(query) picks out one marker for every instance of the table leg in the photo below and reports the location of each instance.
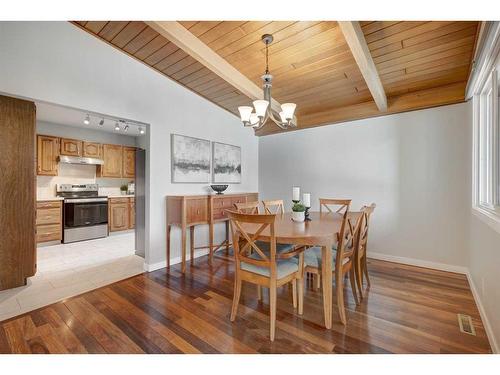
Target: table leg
(326, 278)
(191, 241)
(169, 227)
(183, 248)
(227, 237)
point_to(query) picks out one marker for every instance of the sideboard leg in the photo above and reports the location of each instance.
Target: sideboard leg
(168, 245)
(191, 240)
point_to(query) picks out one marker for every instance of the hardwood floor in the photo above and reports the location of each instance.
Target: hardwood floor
(407, 310)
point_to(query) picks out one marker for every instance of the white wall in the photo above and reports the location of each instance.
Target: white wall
(58, 63)
(484, 268)
(414, 166)
(75, 173)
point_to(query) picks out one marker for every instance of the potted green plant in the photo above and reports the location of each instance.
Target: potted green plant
(298, 210)
(124, 189)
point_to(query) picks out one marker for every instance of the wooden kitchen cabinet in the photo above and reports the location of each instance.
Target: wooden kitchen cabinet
(121, 214)
(128, 168)
(48, 221)
(71, 147)
(112, 156)
(47, 154)
(91, 150)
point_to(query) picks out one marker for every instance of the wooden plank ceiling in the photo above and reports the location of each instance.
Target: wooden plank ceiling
(421, 64)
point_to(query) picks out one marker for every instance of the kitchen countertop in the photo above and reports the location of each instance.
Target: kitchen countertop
(46, 199)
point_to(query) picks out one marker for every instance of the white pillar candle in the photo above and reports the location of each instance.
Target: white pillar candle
(296, 193)
(307, 199)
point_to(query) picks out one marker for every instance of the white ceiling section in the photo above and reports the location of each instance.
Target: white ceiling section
(57, 114)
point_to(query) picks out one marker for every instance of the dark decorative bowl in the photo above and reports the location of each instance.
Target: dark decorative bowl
(219, 188)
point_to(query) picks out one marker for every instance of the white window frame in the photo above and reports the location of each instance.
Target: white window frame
(486, 147)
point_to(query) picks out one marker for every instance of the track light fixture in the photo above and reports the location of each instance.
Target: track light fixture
(101, 123)
(117, 126)
(125, 128)
(87, 119)
(141, 131)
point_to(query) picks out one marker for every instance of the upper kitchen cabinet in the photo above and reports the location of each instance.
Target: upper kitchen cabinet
(71, 147)
(91, 150)
(47, 153)
(128, 162)
(113, 159)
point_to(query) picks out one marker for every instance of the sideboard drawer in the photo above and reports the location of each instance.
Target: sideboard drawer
(220, 213)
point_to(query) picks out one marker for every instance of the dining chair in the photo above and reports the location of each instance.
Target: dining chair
(342, 260)
(274, 206)
(284, 251)
(258, 266)
(248, 207)
(327, 203)
(360, 264)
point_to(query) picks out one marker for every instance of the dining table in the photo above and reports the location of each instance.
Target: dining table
(321, 230)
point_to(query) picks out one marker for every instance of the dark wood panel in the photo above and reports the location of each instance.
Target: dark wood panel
(17, 192)
(407, 310)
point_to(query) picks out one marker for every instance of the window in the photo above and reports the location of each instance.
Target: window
(487, 149)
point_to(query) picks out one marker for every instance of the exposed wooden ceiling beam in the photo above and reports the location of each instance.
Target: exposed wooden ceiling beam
(194, 47)
(356, 40)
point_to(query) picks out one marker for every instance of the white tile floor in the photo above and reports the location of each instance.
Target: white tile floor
(69, 269)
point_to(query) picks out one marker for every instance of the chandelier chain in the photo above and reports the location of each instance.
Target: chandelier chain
(267, 58)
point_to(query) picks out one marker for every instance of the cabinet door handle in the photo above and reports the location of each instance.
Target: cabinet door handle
(198, 211)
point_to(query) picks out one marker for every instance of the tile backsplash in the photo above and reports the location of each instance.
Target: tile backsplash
(77, 174)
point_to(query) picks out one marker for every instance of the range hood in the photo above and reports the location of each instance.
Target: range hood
(80, 160)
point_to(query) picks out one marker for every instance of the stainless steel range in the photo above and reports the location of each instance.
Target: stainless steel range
(85, 213)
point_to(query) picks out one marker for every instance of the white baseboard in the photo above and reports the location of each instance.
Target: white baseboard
(487, 326)
(163, 264)
(449, 268)
(419, 263)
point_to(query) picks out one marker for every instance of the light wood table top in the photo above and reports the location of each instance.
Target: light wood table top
(321, 230)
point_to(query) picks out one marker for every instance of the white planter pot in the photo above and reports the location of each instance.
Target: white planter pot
(298, 216)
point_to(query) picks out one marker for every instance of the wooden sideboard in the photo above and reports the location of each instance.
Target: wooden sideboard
(187, 211)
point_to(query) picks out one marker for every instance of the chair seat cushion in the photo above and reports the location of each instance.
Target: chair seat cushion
(284, 267)
(313, 258)
(280, 247)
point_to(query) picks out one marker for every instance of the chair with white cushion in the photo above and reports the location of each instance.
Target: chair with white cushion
(258, 266)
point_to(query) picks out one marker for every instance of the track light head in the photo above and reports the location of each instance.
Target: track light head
(87, 119)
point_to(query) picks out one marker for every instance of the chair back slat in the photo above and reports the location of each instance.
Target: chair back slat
(248, 207)
(274, 206)
(244, 243)
(334, 205)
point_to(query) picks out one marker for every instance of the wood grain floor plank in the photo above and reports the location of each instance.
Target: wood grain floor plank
(406, 310)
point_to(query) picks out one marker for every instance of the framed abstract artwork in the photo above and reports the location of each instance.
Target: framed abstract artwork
(226, 163)
(190, 159)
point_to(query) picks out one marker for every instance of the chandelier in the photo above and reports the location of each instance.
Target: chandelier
(263, 110)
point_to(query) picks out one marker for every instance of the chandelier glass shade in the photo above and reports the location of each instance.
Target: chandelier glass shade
(258, 115)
